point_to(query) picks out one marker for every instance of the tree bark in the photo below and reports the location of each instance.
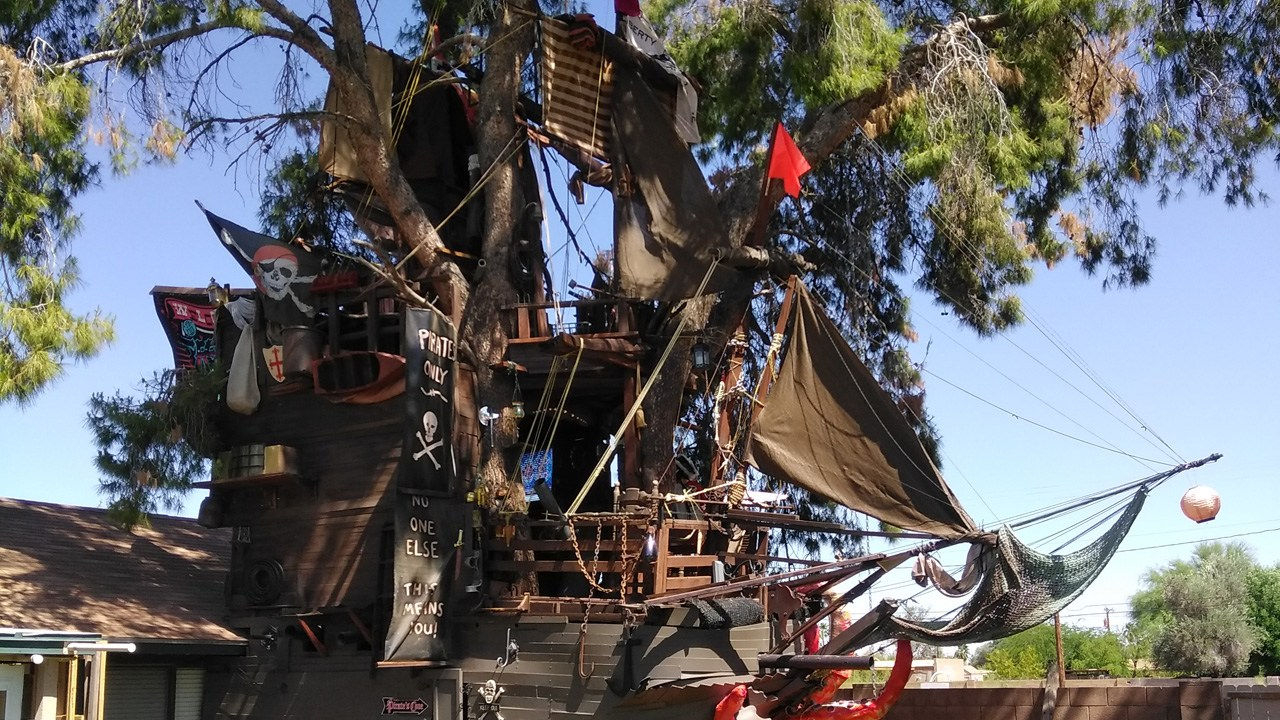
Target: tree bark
(822, 133)
(483, 325)
(376, 156)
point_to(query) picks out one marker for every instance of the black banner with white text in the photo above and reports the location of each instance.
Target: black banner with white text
(430, 523)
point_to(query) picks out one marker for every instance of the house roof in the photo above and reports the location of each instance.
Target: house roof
(69, 568)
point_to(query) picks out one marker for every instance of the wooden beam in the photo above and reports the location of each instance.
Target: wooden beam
(313, 638)
(853, 593)
(817, 662)
(737, 585)
(751, 517)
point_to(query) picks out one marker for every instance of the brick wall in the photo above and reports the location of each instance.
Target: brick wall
(1141, 699)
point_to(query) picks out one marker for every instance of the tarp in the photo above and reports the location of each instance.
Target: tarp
(336, 155)
(636, 30)
(427, 117)
(666, 222)
(829, 427)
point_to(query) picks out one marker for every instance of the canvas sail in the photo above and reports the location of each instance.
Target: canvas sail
(666, 223)
(829, 427)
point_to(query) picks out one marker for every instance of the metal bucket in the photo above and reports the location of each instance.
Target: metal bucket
(301, 349)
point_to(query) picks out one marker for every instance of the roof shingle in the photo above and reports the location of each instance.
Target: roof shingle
(64, 567)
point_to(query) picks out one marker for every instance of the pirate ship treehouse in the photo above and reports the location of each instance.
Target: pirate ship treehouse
(376, 573)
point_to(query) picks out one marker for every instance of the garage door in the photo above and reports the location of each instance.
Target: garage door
(137, 693)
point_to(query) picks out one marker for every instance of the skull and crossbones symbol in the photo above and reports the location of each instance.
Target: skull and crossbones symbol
(490, 693)
(275, 272)
(427, 438)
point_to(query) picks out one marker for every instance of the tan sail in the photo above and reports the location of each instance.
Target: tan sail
(829, 427)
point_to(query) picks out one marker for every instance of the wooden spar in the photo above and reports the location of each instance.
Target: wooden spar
(817, 662)
(766, 375)
(793, 685)
(750, 517)
(850, 636)
(853, 593)
(765, 202)
(736, 585)
(820, 573)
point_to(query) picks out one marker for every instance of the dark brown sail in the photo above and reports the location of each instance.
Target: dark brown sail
(829, 427)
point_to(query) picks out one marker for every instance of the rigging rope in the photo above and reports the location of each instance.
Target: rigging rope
(635, 406)
(896, 174)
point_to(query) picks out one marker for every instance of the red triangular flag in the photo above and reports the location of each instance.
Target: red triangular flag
(786, 162)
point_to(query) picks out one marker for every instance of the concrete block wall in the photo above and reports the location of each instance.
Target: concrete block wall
(1116, 699)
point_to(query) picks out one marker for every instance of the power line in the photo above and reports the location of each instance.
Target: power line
(1142, 461)
(1042, 425)
(1202, 540)
(896, 174)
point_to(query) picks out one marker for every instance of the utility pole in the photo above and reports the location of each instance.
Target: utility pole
(1057, 641)
(1106, 621)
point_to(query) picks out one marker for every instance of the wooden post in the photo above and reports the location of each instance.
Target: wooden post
(73, 683)
(766, 375)
(96, 699)
(661, 563)
(728, 380)
(629, 475)
(1057, 641)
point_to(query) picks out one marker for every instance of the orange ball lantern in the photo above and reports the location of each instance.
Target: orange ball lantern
(1201, 503)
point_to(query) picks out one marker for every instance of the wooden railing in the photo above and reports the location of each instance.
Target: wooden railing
(539, 321)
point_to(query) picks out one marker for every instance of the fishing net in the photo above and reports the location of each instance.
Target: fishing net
(1020, 589)
(728, 612)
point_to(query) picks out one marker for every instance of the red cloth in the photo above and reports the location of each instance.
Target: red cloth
(786, 162)
(811, 640)
(627, 7)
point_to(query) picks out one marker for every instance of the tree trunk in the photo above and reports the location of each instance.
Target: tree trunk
(504, 203)
(376, 156)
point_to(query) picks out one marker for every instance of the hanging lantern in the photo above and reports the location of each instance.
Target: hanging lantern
(700, 354)
(517, 401)
(1201, 503)
(218, 295)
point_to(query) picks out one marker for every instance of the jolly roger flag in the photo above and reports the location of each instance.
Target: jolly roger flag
(283, 272)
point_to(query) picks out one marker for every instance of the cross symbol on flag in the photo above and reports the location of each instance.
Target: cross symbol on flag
(275, 362)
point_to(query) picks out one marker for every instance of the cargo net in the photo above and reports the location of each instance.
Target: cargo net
(1020, 588)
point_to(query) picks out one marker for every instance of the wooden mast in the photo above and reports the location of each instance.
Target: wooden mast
(766, 375)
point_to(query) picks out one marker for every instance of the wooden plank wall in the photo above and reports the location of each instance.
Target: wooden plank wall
(325, 530)
(545, 681)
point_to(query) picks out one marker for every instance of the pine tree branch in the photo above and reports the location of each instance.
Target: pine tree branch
(302, 34)
(152, 43)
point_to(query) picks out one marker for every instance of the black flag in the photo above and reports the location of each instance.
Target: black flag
(283, 272)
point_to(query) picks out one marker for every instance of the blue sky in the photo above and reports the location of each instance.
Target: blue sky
(1192, 353)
